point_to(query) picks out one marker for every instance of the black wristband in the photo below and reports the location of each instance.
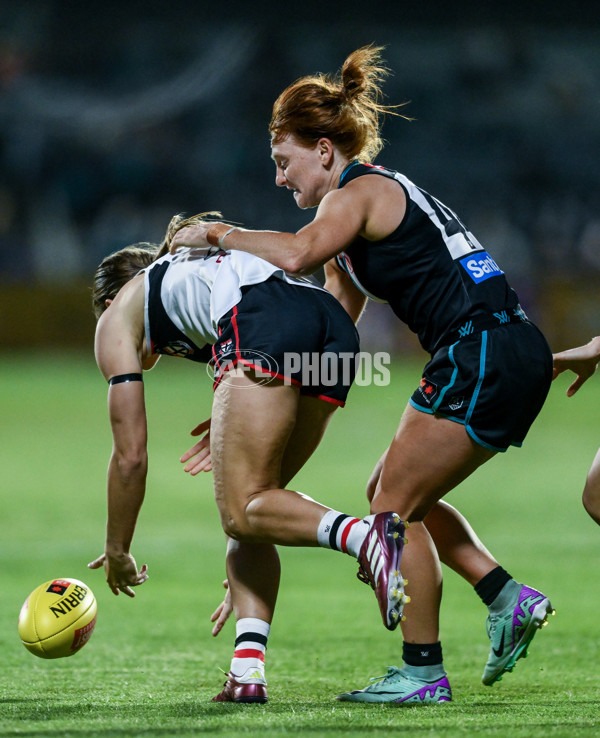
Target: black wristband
(125, 378)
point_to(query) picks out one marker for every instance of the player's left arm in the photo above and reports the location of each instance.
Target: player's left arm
(126, 484)
(117, 348)
(344, 290)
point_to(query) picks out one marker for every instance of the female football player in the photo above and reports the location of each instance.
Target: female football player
(267, 419)
(380, 236)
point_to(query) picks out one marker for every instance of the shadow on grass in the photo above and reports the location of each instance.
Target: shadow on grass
(31, 716)
(32, 708)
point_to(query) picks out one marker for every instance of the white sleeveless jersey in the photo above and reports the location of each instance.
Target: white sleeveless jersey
(193, 288)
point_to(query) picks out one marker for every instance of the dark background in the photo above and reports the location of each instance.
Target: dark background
(116, 116)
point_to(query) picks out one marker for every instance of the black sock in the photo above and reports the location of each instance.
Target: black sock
(422, 654)
(488, 588)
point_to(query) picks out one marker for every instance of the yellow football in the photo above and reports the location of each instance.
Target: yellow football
(57, 618)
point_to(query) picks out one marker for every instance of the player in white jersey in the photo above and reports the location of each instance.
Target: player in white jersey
(266, 422)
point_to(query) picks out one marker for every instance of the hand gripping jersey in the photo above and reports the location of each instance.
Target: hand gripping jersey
(189, 291)
(433, 272)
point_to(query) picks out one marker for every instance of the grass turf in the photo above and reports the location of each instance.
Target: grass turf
(152, 666)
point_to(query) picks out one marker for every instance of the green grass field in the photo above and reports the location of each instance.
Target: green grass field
(152, 665)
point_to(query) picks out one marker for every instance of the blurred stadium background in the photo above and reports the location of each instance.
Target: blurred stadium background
(114, 116)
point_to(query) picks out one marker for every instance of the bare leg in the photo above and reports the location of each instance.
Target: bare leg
(455, 540)
(591, 492)
(251, 427)
(428, 457)
(253, 570)
(457, 543)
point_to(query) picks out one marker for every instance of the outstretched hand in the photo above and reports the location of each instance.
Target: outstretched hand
(200, 451)
(222, 613)
(582, 360)
(121, 572)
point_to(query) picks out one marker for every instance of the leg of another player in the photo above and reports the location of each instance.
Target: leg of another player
(591, 492)
(460, 549)
(412, 484)
(452, 457)
(456, 542)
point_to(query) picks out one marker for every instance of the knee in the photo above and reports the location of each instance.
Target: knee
(408, 507)
(237, 529)
(234, 523)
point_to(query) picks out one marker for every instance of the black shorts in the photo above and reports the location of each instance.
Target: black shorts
(494, 383)
(300, 335)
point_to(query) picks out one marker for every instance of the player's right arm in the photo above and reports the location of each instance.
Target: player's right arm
(341, 216)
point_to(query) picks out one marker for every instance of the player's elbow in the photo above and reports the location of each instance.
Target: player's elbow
(299, 260)
(298, 265)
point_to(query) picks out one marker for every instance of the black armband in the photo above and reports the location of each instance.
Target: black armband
(125, 378)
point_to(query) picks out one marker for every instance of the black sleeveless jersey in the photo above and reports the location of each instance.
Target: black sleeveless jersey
(431, 270)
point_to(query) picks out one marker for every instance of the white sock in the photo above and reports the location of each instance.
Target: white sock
(248, 662)
(343, 532)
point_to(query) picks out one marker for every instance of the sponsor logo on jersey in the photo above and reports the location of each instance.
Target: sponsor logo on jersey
(428, 390)
(480, 266)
